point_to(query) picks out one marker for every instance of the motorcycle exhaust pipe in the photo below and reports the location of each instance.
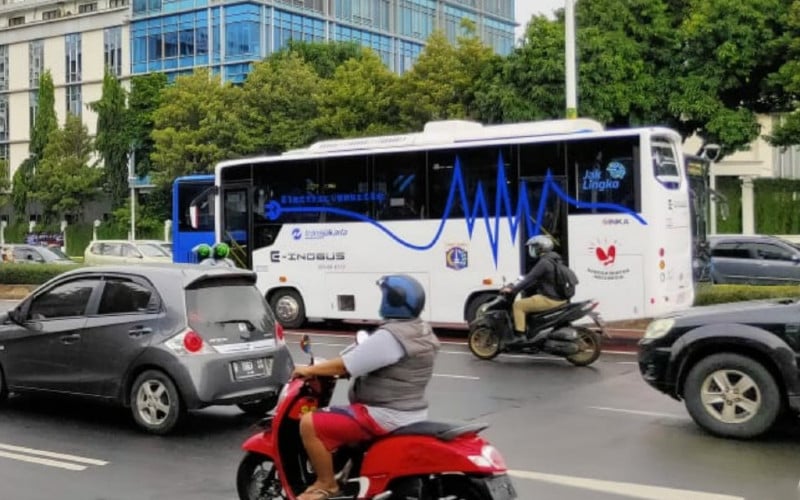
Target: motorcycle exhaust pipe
(560, 348)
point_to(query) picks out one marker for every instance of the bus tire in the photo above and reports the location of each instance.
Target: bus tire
(288, 307)
(474, 304)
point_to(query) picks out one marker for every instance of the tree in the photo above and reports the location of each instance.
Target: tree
(5, 182)
(113, 137)
(144, 99)
(64, 179)
(325, 57)
(195, 126)
(357, 100)
(278, 104)
(787, 78)
(44, 124)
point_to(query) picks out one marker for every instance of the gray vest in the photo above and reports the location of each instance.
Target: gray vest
(401, 386)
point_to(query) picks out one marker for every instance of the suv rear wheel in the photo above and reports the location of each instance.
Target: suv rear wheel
(731, 395)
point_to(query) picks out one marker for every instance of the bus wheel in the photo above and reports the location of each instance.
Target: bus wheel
(288, 308)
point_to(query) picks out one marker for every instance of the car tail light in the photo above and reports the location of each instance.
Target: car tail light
(189, 342)
(279, 335)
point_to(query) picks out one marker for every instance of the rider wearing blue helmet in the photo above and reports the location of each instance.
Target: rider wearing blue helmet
(390, 372)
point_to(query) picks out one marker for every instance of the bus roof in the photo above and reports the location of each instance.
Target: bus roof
(194, 177)
(442, 133)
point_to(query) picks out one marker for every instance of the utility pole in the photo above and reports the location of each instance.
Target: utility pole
(132, 184)
(569, 42)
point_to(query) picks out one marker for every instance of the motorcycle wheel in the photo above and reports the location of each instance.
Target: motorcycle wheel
(589, 344)
(257, 479)
(483, 342)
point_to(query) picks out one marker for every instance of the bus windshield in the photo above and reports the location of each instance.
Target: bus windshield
(193, 215)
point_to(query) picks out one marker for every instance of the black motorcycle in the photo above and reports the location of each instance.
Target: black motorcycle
(551, 332)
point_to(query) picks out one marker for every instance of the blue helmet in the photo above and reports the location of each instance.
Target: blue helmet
(403, 297)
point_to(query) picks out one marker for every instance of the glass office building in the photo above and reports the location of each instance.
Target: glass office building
(176, 36)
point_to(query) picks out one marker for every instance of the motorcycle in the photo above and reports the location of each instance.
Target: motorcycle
(492, 332)
(426, 460)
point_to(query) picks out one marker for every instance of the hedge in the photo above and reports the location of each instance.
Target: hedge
(31, 274)
(720, 294)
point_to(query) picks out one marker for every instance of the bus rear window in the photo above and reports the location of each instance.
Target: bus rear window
(665, 164)
(602, 172)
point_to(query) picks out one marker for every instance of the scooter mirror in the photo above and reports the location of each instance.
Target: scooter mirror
(305, 344)
(361, 336)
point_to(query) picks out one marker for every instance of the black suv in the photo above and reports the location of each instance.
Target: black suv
(734, 365)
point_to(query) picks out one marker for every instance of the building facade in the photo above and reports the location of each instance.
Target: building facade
(76, 39)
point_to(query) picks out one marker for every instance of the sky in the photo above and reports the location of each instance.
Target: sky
(524, 9)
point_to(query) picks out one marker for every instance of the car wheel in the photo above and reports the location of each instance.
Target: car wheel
(731, 395)
(155, 402)
(475, 304)
(260, 407)
(288, 308)
(3, 386)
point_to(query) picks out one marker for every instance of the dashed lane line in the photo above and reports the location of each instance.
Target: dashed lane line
(48, 458)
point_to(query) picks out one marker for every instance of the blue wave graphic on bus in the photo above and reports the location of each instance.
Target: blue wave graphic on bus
(274, 209)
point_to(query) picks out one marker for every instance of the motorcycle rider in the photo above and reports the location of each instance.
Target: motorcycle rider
(390, 370)
(538, 286)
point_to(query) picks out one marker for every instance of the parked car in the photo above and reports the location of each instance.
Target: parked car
(754, 259)
(124, 252)
(160, 339)
(35, 254)
(735, 365)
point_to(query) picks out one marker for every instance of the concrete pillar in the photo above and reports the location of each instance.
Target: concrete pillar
(748, 206)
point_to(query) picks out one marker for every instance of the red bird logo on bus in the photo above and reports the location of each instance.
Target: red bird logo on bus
(606, 256)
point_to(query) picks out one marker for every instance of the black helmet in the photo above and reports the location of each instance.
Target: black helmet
(403, 297)
(538, 245)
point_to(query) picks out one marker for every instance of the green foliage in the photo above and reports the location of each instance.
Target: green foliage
(195, 126)
(731, 188)
(278, 104)
(777, 206)
(357, 100)
(21, 186)
(144, 99)
(45, 120)
(113, 137)
(720, 294)
(324, 57)
(65, 180)
(31, 274)
(5, 182)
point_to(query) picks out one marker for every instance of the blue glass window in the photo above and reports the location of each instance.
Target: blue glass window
(74, 57)
(373, 13)
(417, 18)
(242, 32)
(409, 52)
(381, 44)
(289, 26)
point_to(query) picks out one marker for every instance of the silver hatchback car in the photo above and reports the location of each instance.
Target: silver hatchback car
(160, 339)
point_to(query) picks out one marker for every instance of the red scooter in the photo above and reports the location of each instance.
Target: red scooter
(424, 461)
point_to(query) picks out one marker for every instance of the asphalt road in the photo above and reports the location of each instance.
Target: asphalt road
(566, 433)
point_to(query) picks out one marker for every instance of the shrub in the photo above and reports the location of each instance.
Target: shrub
(30, 274)
(720, 294)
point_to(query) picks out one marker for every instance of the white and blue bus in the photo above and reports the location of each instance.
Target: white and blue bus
(453, 206)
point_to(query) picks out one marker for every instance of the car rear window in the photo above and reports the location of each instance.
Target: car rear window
(229, 312)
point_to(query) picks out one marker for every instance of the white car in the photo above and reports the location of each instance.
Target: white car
(125, 252)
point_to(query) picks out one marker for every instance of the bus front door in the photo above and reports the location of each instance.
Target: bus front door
(551, 220)
(236, 223)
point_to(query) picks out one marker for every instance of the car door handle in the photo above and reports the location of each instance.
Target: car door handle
(139, 331)
(70, 339)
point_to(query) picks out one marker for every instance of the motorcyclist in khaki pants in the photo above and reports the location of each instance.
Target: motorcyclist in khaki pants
(538, 287)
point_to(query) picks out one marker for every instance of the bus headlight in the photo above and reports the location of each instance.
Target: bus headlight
(658, 328)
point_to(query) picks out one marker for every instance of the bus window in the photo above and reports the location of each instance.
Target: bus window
(195, 207)
(346, 187)
(604, 171)
(665, 164)
(294, 185)
(400, 179)
(479, 176)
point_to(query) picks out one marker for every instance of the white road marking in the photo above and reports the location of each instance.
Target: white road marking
(447, 375)
(627, 362)
(30, 455)
(639, 412)
(634, 490)
(50, 454)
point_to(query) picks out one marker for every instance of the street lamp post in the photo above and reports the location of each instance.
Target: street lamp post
(569, 45)
(132, 184)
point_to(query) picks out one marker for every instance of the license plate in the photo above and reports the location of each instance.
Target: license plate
(501, 488)
(251, 368)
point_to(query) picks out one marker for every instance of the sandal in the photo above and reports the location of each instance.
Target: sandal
(321, 494)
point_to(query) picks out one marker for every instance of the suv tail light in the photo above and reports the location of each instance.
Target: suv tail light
(189, 342)
(280, 337)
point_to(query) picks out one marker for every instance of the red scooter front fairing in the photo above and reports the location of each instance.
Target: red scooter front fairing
(423, 461)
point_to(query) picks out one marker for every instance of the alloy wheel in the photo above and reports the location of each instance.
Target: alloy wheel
(153, 403)
(730, 396)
